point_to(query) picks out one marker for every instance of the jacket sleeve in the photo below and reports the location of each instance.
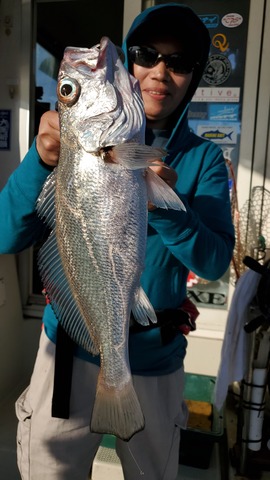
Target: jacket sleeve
(202, 238)
(20, 225)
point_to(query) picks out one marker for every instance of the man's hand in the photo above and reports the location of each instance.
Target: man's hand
(48, 138)
(165, 172)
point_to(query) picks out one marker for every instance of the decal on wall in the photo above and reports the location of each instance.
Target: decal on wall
(232, 20)
(210, 21)
(223, 112)
(220, 134)
(220, 41)
(5, 129)
(217, 70)
(207, 94)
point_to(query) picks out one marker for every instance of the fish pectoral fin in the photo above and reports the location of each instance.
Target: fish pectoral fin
(134, 156)
(117, 411)
(142, 309)
(161, 194)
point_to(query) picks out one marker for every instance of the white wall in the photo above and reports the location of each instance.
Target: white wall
(18, 337)
(11, 327)
(10, 307)
(10, 41)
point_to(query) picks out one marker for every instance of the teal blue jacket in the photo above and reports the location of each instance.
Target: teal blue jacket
(200, 239)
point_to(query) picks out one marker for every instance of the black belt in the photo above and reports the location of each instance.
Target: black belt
(169, 321)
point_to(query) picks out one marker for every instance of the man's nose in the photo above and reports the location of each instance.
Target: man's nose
(160, 70)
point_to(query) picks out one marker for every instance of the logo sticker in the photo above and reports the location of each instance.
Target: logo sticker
(210, 21)
(222, 134)
(220, 41)
(223, 112)
(232, 20)
(217, 70)
(199, 111)
(217, 94)
(227, 153)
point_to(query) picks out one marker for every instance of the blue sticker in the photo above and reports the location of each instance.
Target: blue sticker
(210, 21)
(223, 112)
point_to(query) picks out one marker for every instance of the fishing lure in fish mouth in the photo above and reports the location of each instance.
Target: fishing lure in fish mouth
(95, 202)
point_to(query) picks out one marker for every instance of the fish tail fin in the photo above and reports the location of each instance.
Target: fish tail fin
(161, 194)
(117, 411)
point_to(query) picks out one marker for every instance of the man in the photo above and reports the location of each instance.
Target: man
(166, 50)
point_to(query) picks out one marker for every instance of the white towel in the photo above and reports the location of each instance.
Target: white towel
(233, 362)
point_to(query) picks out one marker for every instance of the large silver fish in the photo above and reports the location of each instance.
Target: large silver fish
(95, 201)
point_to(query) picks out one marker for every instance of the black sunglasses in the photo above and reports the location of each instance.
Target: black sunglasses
(148, 57)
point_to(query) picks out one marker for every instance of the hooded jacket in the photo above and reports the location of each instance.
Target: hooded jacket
(200, 239)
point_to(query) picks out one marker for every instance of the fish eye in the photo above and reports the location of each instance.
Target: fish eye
(68, 91)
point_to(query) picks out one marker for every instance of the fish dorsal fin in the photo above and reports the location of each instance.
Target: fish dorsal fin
(134, 155)
(161, 194)
(46, 200)
(142, 309)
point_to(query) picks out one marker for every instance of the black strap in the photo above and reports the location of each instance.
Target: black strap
(169, 321)
(62, 374)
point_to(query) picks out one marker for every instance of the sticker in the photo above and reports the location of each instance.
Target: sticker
(223, 112)
(221, 134)
(198, 111)
(218, 94)
(227, 153)
(4, 129)
(217, 70)
(232, 20)
(220, 41)
(210, 21)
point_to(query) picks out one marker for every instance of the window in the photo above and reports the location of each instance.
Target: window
(59, 24)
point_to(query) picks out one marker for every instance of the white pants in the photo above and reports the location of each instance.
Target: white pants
(52, 449)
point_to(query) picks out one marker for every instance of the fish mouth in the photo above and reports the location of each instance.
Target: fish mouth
(86, 60)
(100, 98)
(103, 46)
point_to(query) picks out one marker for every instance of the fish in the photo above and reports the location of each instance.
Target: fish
(217, 135)
(96, 204)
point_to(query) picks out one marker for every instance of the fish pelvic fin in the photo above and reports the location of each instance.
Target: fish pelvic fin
(161, 194)
(134, 156)
(117, 411)
(142, 309)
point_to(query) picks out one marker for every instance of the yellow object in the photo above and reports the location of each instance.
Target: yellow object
(200, 415)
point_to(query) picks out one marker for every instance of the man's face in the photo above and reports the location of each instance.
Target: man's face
(162, 89)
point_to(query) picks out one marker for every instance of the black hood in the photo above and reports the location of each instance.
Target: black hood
(177, 21)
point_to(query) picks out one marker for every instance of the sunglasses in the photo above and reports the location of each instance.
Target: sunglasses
(148, 57)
